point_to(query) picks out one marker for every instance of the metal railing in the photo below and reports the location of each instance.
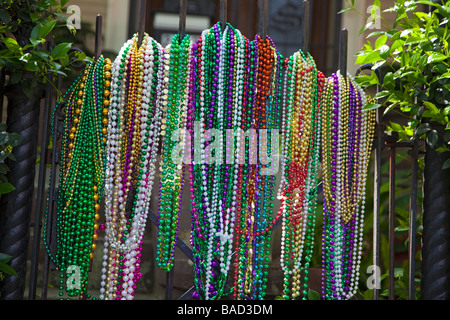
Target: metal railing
(382, 143)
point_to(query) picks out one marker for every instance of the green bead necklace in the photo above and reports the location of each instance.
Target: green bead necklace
(176, 90)
(81, 183)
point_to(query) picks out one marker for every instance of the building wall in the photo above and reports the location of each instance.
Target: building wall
(353, 22)
(115, 15)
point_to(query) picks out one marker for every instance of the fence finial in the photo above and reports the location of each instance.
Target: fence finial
(223, 13)
(305, 25)
(263, 16)
(343, 52)
(142, 20)
(183, 14)
(98, 36)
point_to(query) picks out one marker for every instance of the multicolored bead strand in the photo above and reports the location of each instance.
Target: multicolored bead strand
(346, 151)
(253, 230)
(247, 143)
(298, 190)
(133, 141)
(219, 85)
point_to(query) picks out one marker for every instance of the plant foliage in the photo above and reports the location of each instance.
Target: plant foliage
(413, 51)
(26, 42)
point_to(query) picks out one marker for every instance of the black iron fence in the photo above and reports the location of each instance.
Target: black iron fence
(435, 238)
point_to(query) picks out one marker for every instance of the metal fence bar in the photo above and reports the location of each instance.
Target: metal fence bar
(183, 15)
(2, 93)
(343, 44)
(413, 217)
(98, 36)
(142, 20)
(223, 13)
(378, 149)
(377, 202)
(40, 189)
(391, 220)
(306, 25)
(52, 195)
(262, 4)
(169, 284)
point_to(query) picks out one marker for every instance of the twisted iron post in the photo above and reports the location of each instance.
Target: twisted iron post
(435, 280)
(16, 206)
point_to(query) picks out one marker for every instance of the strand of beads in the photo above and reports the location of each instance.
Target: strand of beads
(208, 60)
(175, 102)
(268, 165)
(219, 88)
(246, 142)
(82, 161)
(298, 191)
(133, 136)
(253, 237)
(346, 152)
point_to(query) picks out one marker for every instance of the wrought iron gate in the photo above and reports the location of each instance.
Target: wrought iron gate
(383, 145)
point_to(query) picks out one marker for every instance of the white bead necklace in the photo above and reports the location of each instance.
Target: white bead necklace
(123, 242)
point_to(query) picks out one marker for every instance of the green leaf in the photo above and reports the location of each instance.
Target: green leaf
(313, 295)
(4, 137)
(12, 44)
(27, 88)
(436, 57)
(6, 187)
(12, 156)
(4, 168)
(5, 258)
(428, 3)
(447, 111)
(446, 164)
(380, 41)
(34, 35)
(390, 107)
(396, 45)
(447, 136)
(4, 16)
(432, 138)
(423, 128)
(81, 56)
(371, 106)
(345, 10)
(441, 68)
(388, 81)
(31, 66)
(371, 57)
(415, 40)
(444, 76)
(384, 51)
(46, 28)
(40, 54)
(432, 107)
(14, 139)
(61, 50)
(8, 269)
(396, 127)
